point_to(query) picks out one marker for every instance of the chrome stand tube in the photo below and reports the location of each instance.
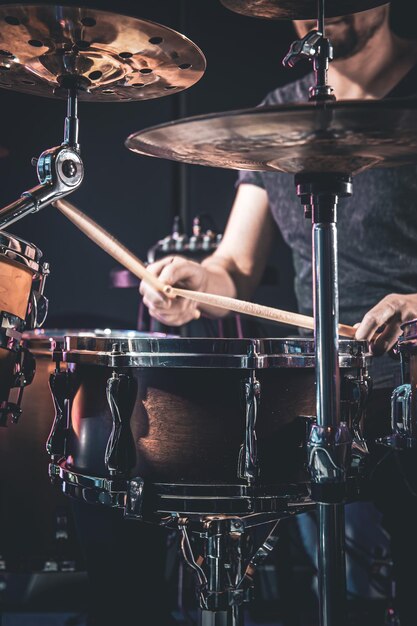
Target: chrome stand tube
(331, 564)
(329, 444)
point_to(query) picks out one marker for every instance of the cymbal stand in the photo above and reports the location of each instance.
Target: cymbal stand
(330, 443)
(60, 170)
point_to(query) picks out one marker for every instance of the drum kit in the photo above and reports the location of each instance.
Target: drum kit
(211, 437)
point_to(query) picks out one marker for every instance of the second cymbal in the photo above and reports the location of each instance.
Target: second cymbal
(298, 9)
(115, 58)
(345, 137)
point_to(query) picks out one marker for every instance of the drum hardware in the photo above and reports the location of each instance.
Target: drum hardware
(316, 48)
(403, 399)
(60, 170)
(62, 384)
(120, 450)
(225, 571)
(403, 434)
(330, 442)
(24, 371)
(354, 399)
(248, 466)
(38, 304)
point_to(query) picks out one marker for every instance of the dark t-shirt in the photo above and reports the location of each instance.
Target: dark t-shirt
(377, 227)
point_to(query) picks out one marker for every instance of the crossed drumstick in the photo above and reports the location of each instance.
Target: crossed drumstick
(125, 257)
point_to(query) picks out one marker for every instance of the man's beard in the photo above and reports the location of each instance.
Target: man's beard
(351, 41)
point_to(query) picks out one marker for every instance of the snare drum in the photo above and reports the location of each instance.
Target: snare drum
(195, 425)
(22, 306)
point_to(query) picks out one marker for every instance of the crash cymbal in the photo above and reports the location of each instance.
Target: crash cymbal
(344, 137)
(115, 57)
(298, 9)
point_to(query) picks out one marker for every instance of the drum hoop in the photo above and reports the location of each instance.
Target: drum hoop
(190, 499)
(208, 353)
(27, 253)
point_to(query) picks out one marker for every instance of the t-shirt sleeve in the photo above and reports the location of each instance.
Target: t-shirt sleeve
(251, 178)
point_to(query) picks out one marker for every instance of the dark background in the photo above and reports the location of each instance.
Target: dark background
(135, 197)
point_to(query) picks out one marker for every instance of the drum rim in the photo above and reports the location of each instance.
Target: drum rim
(203, 352)
(20, 251)
(45, 340)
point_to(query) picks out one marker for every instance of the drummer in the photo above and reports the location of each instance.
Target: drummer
(377, 229)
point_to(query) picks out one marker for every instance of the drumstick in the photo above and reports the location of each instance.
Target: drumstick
(125, 257)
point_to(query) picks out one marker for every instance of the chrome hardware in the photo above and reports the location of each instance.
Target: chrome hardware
(402, 425)
(354, 398)
(11, 329)
(329, 450)
(134, 499)
(60, 170)
(24, 371)
(139, 350)
(120, 454)
(260, 555)
(188, 555)
(248, 468)
(38, 304)
(305, 48)
(62, 385)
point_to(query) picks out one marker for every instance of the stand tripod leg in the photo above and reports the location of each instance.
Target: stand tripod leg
(232, 617)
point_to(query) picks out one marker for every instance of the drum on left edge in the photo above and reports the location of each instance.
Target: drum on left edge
(22, 306)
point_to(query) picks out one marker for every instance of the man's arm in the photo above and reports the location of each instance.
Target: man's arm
(233, 270)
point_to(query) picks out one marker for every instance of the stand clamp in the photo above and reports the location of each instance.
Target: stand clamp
(60, 170)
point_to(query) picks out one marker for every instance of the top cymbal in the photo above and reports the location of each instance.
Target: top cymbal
(345, 137)
(117, 58)
(298, 9)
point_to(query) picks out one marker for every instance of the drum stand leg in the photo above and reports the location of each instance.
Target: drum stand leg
(329, 444)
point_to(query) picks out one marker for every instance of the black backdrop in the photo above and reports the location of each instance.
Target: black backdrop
(136, 197)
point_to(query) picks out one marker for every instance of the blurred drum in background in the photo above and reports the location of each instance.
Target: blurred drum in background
(35, 518)
(22, 306)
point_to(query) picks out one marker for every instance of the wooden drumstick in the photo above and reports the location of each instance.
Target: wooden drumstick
(120, 253)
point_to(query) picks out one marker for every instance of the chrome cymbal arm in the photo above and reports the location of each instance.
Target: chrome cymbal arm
(60, 171)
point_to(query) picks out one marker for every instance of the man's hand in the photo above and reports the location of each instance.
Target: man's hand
(178, 272)
(386, 318)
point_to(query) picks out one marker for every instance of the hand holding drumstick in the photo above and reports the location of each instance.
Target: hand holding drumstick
(126, 258)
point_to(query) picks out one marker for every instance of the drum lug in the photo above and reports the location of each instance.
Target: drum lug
(403, 429)
(248, 468)
(62, 386)
(38, 304)
(120, 454)
(24, 371)
(328, 461)
(354, 398)
(134, 499)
